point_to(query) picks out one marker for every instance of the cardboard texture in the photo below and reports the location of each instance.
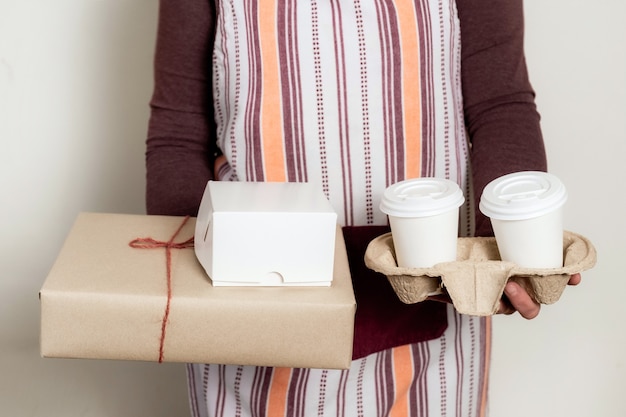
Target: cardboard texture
(106, 300)
(476, 281)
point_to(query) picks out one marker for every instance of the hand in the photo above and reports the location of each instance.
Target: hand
(516, 299)
(220, 161)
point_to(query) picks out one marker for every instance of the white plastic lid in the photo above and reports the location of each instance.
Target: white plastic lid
(522, 195)
(421, 197)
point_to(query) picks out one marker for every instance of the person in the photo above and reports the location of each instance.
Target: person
(353, 95)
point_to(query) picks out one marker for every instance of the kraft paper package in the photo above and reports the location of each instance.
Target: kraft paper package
(152, 301)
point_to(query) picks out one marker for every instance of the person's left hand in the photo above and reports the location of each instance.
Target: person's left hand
(516, 299)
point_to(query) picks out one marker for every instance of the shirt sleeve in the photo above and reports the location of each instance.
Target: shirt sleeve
(499, 101)
(181, 137)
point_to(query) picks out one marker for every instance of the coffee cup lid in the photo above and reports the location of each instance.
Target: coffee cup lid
(522, 195)
(421, 197)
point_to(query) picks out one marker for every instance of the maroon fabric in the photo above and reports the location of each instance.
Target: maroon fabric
(382, 320)
(499, 112)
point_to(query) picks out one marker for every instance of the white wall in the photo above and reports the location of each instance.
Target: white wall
(75, 78)
(570, 361)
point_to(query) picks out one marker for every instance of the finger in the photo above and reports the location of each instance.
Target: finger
(220, 161)
(575, 279)
(521, 301)
(505, 307)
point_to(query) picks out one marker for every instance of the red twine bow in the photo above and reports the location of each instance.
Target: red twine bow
(150, 243)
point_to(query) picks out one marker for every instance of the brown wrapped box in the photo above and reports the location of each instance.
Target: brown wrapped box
(476, 281)
(104, 299)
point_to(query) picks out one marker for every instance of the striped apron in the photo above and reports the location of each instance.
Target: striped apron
(354, 95)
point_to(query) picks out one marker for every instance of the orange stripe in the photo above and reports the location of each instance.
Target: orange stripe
(403, 377)
(410, 87)
(271, 115)
(277, 401)
(483, 398)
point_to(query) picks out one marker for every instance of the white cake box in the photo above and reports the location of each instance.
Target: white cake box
(266, 234)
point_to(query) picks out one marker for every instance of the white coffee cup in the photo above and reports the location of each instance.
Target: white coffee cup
(526, 212)
(424, 218)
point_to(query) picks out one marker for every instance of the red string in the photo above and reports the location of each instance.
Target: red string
(150, 243)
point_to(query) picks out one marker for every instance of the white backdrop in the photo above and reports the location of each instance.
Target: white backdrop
(75, 79)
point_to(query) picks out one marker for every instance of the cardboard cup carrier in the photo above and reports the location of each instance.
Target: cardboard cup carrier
(530, 247)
